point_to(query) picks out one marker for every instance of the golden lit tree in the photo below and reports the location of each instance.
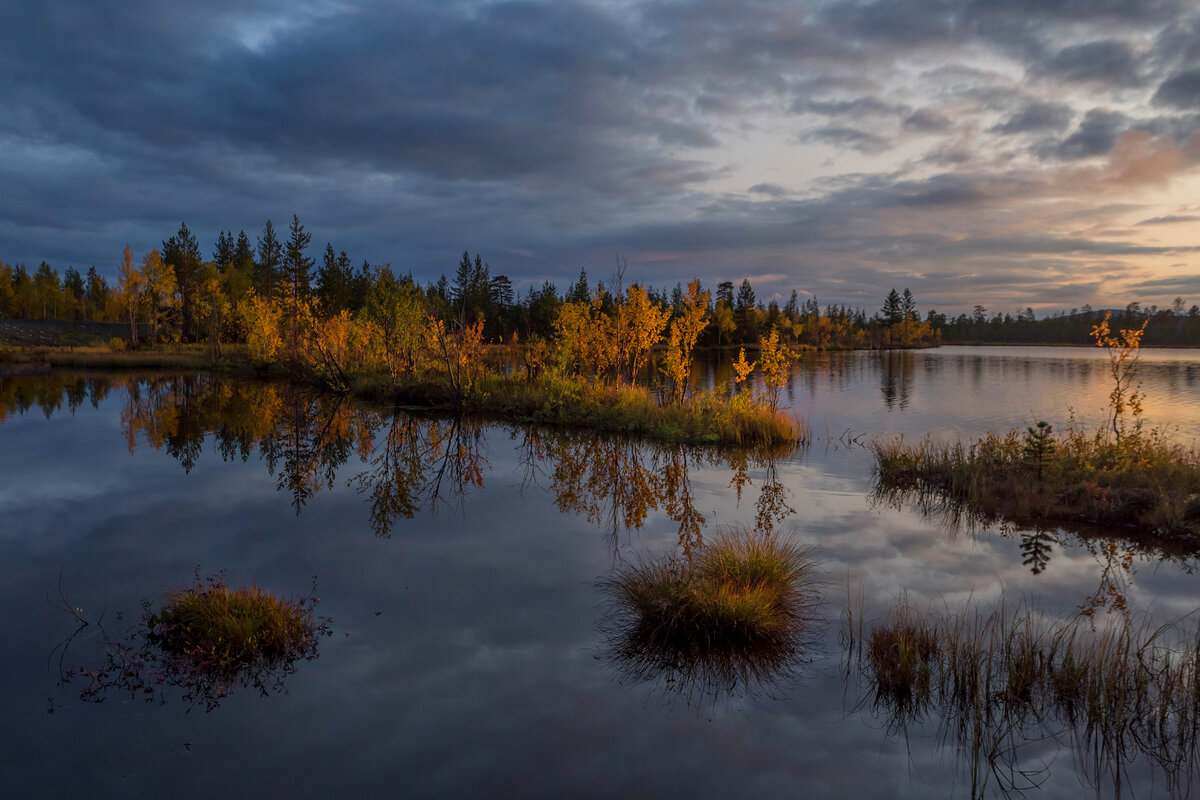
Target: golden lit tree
(775, 362)
(261, 318)
(129, 289)
(158, 284)
(1123, 351)
(682, 336)
(638, 327)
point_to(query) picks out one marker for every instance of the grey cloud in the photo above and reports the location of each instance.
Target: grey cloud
(769, 189)
(850, 138)
(1095, 136)
(1169, 220)
(1181, 90)
(1185, 285)
(858, 107)
(926, 120)
(1037, 116)
(1107, 61)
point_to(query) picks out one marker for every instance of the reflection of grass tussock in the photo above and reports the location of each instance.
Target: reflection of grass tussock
(737, 614)
(1139, 480)
(1002, 680)
(219, 627)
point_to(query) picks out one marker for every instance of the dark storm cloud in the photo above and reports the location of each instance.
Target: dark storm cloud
(552, 133)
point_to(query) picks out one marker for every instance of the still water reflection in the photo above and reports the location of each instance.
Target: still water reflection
(461, 564)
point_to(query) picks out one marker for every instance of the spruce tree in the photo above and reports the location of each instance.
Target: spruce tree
(266, 267)
(297, 267)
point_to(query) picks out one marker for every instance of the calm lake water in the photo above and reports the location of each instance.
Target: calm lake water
(461, 567)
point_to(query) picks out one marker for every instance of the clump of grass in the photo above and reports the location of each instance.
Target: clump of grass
(902, 654)
(204, 642)
(735, 615)
(230, 629)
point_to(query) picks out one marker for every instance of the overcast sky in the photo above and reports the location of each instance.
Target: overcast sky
(1002, 152)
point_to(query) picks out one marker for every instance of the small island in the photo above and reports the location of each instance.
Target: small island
(1121, 475)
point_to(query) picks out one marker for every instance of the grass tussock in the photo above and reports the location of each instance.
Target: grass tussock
(224, 628)
(1140, 480)
(736, 615)
(1000, 680)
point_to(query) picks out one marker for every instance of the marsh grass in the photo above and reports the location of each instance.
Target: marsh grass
(707, 418)
(999, 682)
(1141, 479)
(736, 616)
(109, 357)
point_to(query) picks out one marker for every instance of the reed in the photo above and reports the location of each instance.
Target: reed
(1006, 678)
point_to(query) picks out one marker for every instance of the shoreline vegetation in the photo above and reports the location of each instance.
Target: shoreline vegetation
(1120, 475)
(591, 373)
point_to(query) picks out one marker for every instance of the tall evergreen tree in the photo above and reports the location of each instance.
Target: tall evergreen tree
(893, 309)
(182, 253)
(297, 267)
(579, 292)
(223, 251)
(725, 293)
(95, 294)
(243, 254)
(266, 267)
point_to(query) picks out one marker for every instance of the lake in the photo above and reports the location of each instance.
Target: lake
(462, 565)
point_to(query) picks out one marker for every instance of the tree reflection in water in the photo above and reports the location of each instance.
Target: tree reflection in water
(306, 437)
(616, 482)
(1117, 551)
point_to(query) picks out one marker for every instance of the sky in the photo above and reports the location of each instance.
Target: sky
(1007, 153)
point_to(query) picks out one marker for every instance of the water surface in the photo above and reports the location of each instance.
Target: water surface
(460, 564)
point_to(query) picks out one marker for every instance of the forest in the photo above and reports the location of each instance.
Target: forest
(173, 294)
